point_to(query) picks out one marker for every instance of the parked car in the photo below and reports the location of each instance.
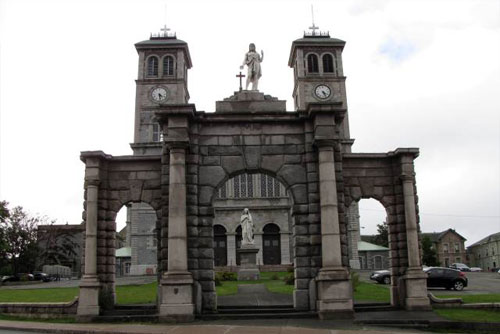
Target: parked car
(39, 276)
(448, 278)
(475, 269)
(460, 266)
(381, 276)
(10, 278)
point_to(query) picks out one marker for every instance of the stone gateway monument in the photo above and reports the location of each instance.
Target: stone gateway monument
(183, 157)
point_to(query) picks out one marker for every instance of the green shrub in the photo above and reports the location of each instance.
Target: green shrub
(275, 277)
(217, 280)
(226, 276)
(290, 269)
(289, 279)
(354, 280)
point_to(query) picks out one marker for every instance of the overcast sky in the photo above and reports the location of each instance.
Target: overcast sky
(419, 74)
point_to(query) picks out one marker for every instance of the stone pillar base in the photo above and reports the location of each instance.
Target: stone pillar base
(176, 299)
(415, 284)
(334, 291)
(88, 301)
(248, 270)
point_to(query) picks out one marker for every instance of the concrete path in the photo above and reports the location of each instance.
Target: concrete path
(235, 327)
(254, 295)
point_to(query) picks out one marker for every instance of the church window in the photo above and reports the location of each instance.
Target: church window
(168, 65)
(157, 134)
(237, 186)
(312, 63)
(152, 66)
(250, 185)
(327, 63)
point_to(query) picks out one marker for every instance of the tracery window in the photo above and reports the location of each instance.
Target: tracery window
(152, 66)
(168, 65)
(312, 63)
(250, 186)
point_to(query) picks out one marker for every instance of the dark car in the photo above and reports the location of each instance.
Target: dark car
(439, 277)
(381, 276)
(39, 276)
(460, 266)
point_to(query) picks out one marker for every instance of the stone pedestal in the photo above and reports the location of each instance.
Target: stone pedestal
(176, 299)
(88, 300)
(334, 291)
(248, 270)
(415, 287)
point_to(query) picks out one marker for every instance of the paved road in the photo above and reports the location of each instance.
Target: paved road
(479, 283)
(131, 280)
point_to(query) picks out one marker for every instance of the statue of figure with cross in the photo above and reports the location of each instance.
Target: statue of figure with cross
(253, 60)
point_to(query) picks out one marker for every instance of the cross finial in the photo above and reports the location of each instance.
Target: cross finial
(165, 30)
(313, 27)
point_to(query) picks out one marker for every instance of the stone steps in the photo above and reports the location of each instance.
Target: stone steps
(373, 307)
(257, 312)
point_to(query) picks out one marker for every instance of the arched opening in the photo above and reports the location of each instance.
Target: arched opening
(327, 63)
(136, 240)
(152, 66)
(369, 248)
(168, 65)
(268, 204)
(312, 63)
(271, 248)
(220, 246)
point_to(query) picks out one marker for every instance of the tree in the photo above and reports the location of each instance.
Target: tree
(18, 247)
(429, 255)
(57, 244)
(382, 236)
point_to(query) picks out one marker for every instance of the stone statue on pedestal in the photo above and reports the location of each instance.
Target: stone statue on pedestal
(246, 228)
(253, 60)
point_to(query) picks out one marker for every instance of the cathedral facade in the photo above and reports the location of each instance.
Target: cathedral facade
(294, 170)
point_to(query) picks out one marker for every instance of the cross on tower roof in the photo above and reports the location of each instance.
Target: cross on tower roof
(165, 30)
(313, 27)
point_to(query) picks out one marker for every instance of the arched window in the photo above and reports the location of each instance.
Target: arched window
(168, 65)
(220, 245)
(271, 250)
(152, 66)
(327, 63)
(312, 63)
(239, 238)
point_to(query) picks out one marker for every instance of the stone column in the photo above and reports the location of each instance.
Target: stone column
(231, 249)
(414, 280)
(88, 302)
(177, 282)
(333, 284)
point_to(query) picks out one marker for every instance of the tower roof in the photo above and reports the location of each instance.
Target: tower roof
(313, 41)
(162, 42)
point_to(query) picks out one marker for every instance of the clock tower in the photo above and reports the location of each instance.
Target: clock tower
(316, 60)
(164, 61)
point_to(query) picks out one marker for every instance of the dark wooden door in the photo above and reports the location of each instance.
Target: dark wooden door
(271, 245)
(220, 246)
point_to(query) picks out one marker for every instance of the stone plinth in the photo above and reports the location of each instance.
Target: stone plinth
(334, 291)
(250, 101)
(176, 298)
(248, 270)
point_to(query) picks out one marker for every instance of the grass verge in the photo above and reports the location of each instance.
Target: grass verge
(136, 294)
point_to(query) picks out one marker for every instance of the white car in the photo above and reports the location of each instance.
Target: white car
(475, 269)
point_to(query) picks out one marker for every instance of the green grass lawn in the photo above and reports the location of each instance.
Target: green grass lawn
(273, 285)
(370, 292)
(469, 315)
(38, 295)
(136, 294)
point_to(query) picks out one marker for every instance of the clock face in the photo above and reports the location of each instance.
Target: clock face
(159, 94)
(322, 92)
